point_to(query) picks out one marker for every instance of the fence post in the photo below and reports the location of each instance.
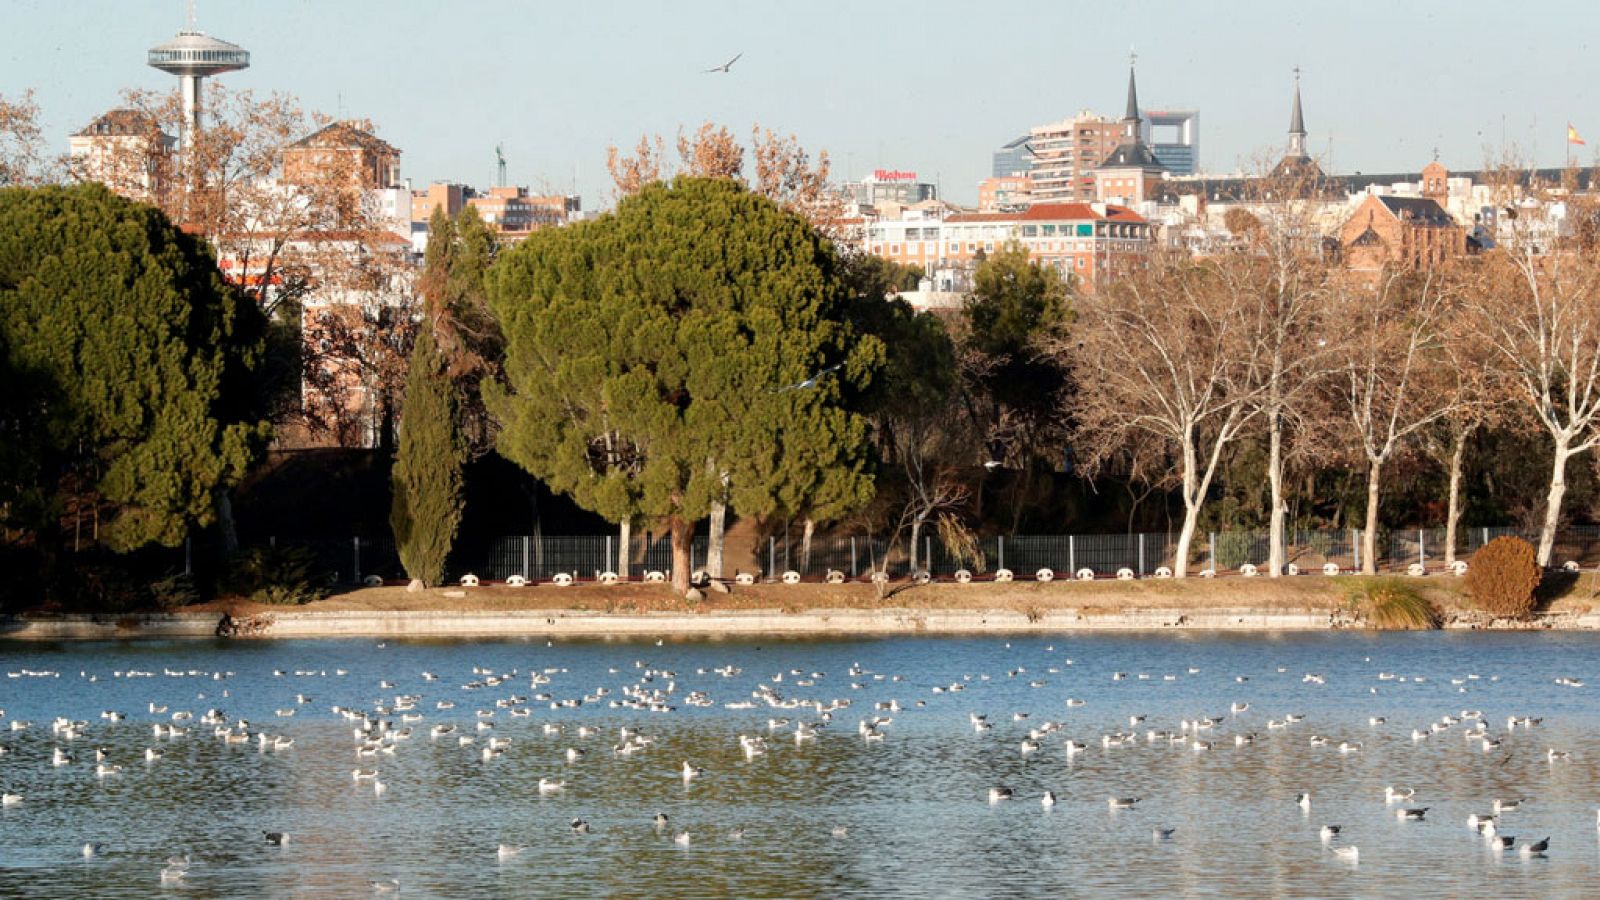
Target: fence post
(772, 556)
(854, 572)
(927, 555)
(356, 543)
(1002, 551)
(188, 555)
(1141, 554)
(1355, 548)
(527, 557)
(1072, 554)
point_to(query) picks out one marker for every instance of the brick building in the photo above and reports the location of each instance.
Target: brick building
(1412, 232)
(347, 150)
(1066, 153)
(1004, 192)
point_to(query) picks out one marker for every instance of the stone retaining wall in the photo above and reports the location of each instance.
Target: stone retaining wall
(574, 623)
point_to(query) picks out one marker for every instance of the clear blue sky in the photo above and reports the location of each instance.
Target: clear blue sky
(932, 86)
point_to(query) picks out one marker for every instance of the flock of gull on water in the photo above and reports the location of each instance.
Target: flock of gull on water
(384, 729)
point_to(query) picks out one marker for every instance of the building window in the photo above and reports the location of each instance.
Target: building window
(1049, 230)
(1030, 231)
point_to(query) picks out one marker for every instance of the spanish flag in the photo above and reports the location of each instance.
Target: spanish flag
(1572, 135)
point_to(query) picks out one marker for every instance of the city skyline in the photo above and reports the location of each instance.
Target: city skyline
(556, 86)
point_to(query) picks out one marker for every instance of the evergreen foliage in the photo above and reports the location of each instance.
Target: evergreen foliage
(133, 361)
(1016, 309)
(699, 322)
(426, 480)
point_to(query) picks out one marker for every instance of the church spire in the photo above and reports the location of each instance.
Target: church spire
(1297, 122)
(1130, 118)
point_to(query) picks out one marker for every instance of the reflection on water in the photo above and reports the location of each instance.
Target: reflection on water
(914, 806)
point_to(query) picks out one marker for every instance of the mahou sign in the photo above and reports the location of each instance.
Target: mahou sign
(893, 175)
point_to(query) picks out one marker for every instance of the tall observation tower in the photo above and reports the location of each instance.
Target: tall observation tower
(192, 56)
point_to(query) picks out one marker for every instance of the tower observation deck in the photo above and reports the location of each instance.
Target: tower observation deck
(192, 56)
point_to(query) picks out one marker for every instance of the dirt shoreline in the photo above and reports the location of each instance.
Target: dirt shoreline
(1306, 603)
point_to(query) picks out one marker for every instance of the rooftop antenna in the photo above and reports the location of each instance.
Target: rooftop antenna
(191, 15)
(500, 164)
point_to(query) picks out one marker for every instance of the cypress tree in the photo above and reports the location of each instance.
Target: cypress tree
(426, 480)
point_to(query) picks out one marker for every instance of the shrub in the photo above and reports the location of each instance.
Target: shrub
(1393, 604)
(174, 591)
(1503, 576)
(277, 575)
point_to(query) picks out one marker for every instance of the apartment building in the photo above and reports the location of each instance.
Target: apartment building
(1086, 241)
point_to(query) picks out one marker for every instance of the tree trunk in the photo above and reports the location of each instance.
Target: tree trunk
(1180, 554)
(624, 548)
(916, 538)
(1369, 537)
(1453, 509)
(226, 527)
(805, 544)
(1275, 543)
(1193, 495)
(682, 531)
(714, 538)
(1552, 503)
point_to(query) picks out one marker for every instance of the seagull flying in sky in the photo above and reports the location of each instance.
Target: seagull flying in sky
(725, 67)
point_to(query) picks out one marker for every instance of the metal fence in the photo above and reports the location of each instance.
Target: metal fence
(540, 558)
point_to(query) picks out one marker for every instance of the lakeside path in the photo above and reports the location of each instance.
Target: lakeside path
(1303, 603)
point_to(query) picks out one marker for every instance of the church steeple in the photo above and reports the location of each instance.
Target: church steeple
(1130, 118)
(1297, 123)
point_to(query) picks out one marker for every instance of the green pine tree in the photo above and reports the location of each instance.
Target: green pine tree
(426, 479)
(699, 322)
(136, 361)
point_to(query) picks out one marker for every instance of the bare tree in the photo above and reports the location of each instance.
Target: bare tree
(1539, 309)
(1277, 264)
(629, 174)
(1389, 344)
(1470, 374)
(22, 156)
(1165, 356)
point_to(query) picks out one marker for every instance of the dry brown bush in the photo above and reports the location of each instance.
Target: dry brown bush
(1503, 576)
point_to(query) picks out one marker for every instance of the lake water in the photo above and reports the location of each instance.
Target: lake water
(913, 808)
